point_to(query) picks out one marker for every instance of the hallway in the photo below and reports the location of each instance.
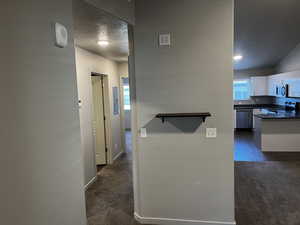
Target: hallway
(109, 200)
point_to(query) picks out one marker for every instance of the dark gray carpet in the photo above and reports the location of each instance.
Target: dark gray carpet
(267, 193)
(109, 200)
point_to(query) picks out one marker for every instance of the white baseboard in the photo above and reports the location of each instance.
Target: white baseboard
(169, 221)
(90, 183)
(118, 155)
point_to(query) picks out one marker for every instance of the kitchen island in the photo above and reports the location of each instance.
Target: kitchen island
(243, 114)
(277, 132)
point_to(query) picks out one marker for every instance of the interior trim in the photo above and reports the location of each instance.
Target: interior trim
(169, 221)
(94, 74)
(118, 155)
(90, 183)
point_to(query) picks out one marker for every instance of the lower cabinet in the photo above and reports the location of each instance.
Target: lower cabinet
(234, 119)
(244, 118)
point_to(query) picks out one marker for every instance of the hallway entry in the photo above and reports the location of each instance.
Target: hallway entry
(99, 129)
(109, 200)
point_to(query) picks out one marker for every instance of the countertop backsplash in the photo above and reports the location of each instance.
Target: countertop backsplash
(282, 101)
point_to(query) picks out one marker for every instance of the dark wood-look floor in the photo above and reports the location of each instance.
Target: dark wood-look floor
(246, 150)
(266, 193)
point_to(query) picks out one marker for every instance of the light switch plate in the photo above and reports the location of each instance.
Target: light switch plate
(165, 39)
(211, 132)
(143, 132)
(61, 35)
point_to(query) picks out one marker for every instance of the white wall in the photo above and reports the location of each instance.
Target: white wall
(291, 62)
(123, 72)
(40, 165)
(183, 177)
(86, 63)
(123, 69)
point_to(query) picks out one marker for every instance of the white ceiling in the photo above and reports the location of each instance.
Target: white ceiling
(92, 24)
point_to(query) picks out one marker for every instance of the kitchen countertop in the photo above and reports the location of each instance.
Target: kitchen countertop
(281, 114)
(269, 111)
(257, 106)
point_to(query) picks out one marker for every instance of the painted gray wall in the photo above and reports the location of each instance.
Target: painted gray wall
(180, 173)
(41, 163)
(123, 9)
(246, 74)
(265, 31)
(291, 62)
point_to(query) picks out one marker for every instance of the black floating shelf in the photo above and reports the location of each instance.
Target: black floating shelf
(201, 115)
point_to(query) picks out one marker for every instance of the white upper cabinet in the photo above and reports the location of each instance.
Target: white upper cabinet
(272, 84)
(259, 86)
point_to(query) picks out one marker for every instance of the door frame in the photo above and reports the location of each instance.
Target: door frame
(107, 120)
(122, 113)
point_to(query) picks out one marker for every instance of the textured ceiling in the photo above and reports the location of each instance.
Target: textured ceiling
(265, 31)
(91, 25)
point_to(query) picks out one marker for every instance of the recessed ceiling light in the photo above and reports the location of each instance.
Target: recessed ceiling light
(103, 43)
(237, 57)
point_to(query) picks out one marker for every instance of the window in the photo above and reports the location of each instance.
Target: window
(126, 97)
(241, 90)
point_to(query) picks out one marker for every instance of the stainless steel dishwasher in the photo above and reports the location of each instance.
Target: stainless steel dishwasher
(244, 118)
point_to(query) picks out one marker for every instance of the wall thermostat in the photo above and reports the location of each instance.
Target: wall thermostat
(61, 35)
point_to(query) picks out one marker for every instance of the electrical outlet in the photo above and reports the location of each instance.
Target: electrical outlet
(211, 132)
(143, 132)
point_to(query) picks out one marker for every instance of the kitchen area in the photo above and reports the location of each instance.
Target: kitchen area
(267, 116)
(266, 94)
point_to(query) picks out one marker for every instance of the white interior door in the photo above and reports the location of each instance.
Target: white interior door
(98, 121)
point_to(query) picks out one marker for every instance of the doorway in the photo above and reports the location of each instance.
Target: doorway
(126, 109)
(102, 46)
(99, 119)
